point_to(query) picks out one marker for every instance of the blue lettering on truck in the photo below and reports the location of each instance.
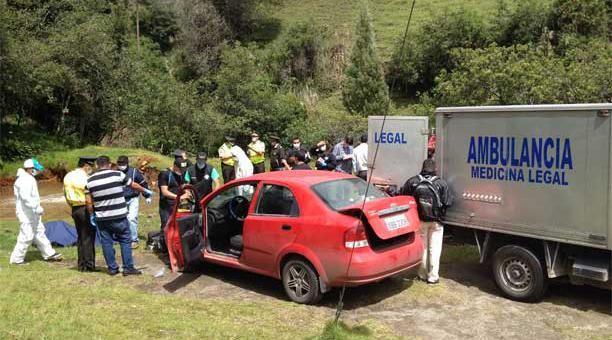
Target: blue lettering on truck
(540, 160)
(389, 138)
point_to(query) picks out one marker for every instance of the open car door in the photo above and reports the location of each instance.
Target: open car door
(184, 233)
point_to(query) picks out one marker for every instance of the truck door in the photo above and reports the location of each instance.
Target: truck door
(401, 144)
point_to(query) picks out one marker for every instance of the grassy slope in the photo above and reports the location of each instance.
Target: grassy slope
(389, 16)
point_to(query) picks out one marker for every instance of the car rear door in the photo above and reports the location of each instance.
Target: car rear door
(274, 224)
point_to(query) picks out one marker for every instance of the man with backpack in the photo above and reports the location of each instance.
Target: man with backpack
(433, 197)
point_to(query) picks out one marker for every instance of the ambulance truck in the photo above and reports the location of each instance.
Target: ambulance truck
(533, 186)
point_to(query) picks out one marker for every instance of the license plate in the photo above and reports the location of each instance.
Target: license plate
(396, 222)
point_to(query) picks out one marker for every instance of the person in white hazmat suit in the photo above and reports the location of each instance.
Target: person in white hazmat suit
(244, 167)
(29, 212)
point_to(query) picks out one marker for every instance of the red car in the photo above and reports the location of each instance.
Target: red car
(302, 227)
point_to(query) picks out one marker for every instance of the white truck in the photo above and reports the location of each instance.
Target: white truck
(532, 186)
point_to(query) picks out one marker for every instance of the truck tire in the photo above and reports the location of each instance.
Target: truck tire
(519, 273)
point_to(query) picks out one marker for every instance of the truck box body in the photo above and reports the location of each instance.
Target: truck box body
(539, 171)
(402, 146)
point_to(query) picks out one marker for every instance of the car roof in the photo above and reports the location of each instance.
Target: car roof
(302, 177)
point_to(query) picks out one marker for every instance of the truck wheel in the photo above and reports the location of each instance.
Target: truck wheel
(519, 274)
(301, 282)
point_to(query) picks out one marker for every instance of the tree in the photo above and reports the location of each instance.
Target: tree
(203, 35)
(364, 90)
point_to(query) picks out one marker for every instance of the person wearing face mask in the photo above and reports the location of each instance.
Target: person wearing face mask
(132, 196)
(29, 213)
(278, 157)
(205, 178)
(169, 183)
(257, 151)
(296, 147)
(326, 159)
(344, 155)
(75, 183)
(227, 160)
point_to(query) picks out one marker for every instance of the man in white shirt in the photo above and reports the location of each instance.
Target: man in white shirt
(360, 158)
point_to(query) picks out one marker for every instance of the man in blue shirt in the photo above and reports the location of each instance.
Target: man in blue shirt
(132, 196)
(344, 155)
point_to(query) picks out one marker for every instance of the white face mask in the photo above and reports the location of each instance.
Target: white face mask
(254, 139)
(296, 145)
(35, 172)
(122, 167)
(323, 148)
(200, 164)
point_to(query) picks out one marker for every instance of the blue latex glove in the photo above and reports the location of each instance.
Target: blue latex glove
(147, 193)
(92, 220)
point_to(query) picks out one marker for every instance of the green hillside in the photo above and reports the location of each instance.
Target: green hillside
(389, 16)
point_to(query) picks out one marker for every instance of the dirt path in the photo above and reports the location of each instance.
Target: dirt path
(465, 303)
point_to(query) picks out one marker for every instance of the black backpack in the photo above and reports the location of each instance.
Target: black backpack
(427, 196)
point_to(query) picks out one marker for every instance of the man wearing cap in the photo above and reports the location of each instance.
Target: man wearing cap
(29, 212)
(204, 176)
(169, 183)
(75, 183)
(257, 151)
(227, 160)
(278, 157)
(132, 196)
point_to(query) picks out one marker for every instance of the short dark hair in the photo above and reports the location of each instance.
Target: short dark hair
(301, 156)
(364, 138)
(348, 140)
(123, 160)
(429, 167)
(102, 161)
(298, 138)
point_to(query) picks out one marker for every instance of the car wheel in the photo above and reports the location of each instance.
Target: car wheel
(301, 282)
(519, 273)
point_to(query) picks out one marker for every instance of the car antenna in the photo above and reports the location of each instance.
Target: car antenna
(340, 305)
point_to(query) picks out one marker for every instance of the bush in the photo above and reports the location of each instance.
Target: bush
(524, 24)
(415, 68)
(524, 75)
(590, 18)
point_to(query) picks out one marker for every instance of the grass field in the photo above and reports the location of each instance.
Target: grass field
(389, 16)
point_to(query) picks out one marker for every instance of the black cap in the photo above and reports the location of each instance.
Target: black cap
(88, 159)
(275, 137)
(202, 156)
(230, 139)
(123, 160)
(180, 163)
(178, 153)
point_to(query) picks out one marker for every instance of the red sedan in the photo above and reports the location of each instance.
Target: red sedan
(302, 227)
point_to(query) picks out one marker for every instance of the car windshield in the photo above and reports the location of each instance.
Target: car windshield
(342, 193)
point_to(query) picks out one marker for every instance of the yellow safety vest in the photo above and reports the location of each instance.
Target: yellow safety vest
(225, 150)
(253, 156)
(74, 187)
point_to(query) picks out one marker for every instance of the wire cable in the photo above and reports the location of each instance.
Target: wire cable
(340, 304)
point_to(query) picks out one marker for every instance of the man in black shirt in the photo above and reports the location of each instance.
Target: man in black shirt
(170, 183)
(301, 162)
(278, 157)
(204, 177)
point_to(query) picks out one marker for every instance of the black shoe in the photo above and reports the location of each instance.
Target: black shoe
(113, 272)
(134, 271)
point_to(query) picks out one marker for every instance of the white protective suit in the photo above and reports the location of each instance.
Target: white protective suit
(244, 167)
(29, 211)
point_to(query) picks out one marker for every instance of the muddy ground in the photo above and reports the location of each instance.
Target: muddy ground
(466, 303)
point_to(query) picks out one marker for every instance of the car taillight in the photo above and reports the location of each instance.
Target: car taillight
(355, 237)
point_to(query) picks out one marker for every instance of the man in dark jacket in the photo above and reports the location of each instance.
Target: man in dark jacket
(204, 177)
(132, 197)
(432, 197)
(326, 160)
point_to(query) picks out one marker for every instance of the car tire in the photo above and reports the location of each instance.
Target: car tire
(301, 282)
(519, 274)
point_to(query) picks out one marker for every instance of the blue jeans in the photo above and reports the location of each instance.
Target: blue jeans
(120, 229)
(132, 216)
